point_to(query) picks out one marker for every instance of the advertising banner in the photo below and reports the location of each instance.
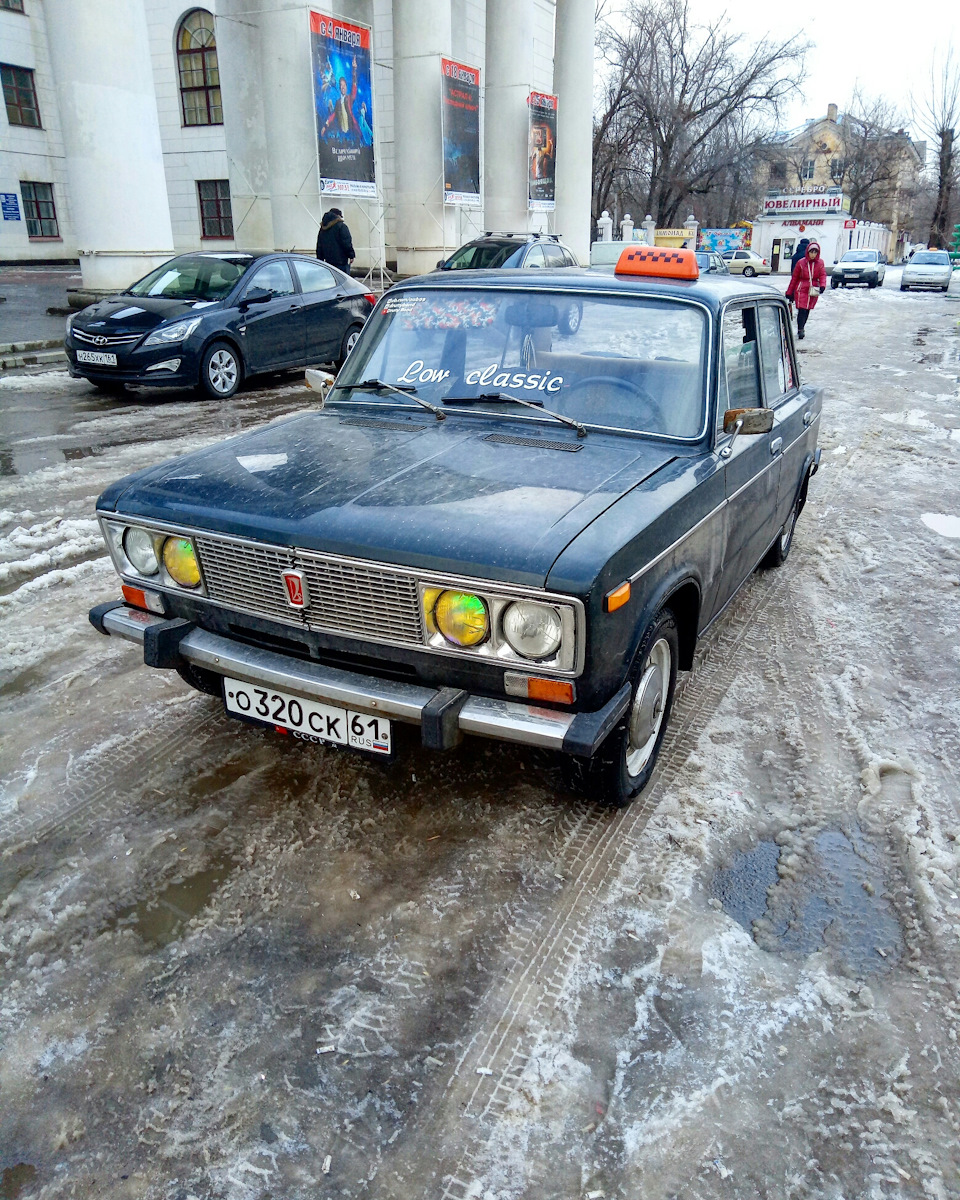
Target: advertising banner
(723, 239)
(343, 99)
(542, 153)
(460, 120)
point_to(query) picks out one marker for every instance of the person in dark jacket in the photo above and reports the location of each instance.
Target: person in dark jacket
(799, 254)
(808, 280)
(334, 244)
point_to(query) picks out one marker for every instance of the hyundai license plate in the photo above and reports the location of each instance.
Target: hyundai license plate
(97, 357)
(308, 720)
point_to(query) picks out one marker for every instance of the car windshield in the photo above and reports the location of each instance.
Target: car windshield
(931, 258)
(634, 363)
(482, 257)
(860, 256)
(207, 277)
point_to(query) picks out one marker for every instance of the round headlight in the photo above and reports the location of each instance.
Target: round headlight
(462, 618)
(180, 559)
(533, 630)
(139, 548)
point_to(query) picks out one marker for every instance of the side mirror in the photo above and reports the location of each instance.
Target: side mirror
(320, 381)
(751, 420)
(442, 265)
(257, 295)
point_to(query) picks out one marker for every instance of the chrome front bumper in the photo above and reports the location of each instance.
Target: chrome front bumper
(442, 713)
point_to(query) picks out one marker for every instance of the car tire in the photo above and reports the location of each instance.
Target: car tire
(834, 283)
(779, 552)
(570, 318)
(208, 682)
(348, 343)
(221, 370)
(871, 283)
(749, 272)
(904, 288)
(623, 765)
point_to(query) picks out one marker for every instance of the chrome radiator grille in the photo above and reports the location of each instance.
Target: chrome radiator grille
(345, 597)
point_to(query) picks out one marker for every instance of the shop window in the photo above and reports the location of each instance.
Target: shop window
(199, 72)
(20, 96)
(39, 210)
(216, 216)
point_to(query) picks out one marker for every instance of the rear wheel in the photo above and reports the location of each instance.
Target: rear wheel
(623, 765)
(749, 272)
(221, 370)
(348, 343)
(777, 555)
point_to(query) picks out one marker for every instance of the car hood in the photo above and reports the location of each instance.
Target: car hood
(401, 489)
(129, 314)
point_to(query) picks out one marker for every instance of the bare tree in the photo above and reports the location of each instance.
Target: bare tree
(682, 104)
(939, 115)
(876, 151)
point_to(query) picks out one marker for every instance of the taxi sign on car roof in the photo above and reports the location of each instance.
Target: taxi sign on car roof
(658, 262)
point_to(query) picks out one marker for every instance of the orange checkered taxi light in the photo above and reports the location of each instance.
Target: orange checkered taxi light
(658, 262)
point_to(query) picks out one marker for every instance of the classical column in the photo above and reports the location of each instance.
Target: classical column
(421, 34)
(509, 78)
(573, 84)
(100, 58)
(244, 127)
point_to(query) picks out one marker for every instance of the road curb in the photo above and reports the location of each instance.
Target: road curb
(33, 358)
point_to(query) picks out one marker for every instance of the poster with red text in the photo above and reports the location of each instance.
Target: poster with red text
(343, 98)
(460, 117)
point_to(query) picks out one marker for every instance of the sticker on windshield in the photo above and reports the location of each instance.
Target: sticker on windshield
(420, 312)
(491, 376)
(402, 304)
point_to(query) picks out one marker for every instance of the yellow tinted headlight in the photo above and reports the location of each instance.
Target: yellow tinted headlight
(462, 618)
(429, 602)
(180, 559)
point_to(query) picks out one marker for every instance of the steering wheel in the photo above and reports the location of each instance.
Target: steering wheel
(647, 406)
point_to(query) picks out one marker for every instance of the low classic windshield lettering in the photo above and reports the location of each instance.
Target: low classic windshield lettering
(492, 375)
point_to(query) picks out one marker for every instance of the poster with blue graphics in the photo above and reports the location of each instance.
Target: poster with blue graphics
(343, 99)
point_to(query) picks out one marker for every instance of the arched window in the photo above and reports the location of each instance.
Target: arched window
(199, 73)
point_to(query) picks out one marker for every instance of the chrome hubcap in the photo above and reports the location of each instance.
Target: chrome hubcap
(222, 371)
(649, 707)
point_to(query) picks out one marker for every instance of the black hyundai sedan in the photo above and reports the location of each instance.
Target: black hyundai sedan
(213, 319)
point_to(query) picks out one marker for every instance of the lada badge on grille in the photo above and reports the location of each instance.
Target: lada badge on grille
(298, 594)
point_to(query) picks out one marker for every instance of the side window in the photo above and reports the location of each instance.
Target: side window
(553, 256)
(313, 276)
(739, 362)
(534, 257)
(275, 277)
(569, 260)
(775, 365)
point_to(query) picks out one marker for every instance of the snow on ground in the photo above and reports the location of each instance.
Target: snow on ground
(236, 967)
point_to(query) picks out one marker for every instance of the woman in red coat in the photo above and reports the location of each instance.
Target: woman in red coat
(808, 280)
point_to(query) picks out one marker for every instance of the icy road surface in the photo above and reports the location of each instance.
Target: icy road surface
(236, 966)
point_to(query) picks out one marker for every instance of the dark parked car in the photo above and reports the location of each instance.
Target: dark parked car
(510, 250)
(493, 527)
(710, 262)
(210, 320)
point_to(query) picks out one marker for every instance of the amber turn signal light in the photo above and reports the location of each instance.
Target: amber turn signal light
(617, 598)
(134, 596)
(532, 687)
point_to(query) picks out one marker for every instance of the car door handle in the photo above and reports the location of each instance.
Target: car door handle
(775, 445)
(808, 416)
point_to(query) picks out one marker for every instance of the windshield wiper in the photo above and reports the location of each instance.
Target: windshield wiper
(506, 398)
(378, 385)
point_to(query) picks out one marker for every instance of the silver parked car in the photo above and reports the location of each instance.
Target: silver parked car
(860, 266)
(746, 262)
(927, 269)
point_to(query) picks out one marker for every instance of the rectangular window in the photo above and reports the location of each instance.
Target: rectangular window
(778, 172)
(836, 168)
(809, 166)
(12, 5)
(39, 210)
(739, 378)
(20, 96)
(216, 216)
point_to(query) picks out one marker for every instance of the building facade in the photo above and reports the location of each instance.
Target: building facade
(137, 129)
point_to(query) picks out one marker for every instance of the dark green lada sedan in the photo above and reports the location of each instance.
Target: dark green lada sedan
(524, 499)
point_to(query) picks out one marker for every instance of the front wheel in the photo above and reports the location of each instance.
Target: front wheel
(749, 272)
(834, 283)
(623, 765)
(221, 370)
(348, 343)
(904, 288)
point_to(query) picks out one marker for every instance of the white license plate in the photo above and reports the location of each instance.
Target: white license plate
(98, 357)
(307, 719)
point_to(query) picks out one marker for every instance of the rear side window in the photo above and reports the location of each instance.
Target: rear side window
(313, 276)
(553, 256)
(535, 257)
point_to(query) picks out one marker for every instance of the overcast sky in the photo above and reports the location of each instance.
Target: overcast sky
(887, 47)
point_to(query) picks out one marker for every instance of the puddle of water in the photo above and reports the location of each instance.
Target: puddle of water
(15, 1179)
(833, 901)
(160, 919)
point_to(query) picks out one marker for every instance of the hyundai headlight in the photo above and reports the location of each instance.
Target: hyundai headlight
(168, 334)
(532, 630)
(180, 559)
(138, 546)
(462, 618)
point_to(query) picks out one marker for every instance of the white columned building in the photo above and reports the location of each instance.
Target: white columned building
(138, 129)
(111, 138)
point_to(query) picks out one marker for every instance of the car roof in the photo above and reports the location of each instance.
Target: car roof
(711, 290)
